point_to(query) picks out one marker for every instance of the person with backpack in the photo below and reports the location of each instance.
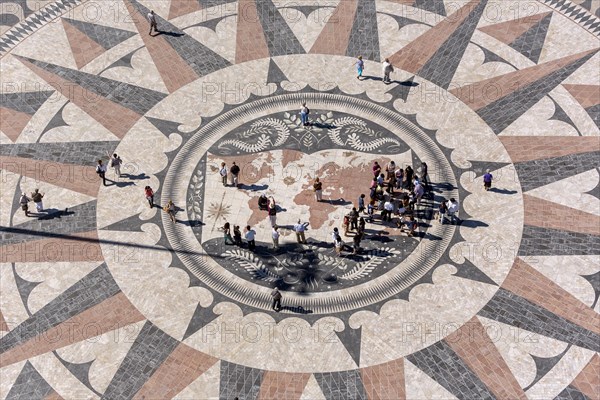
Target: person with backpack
(304, 111)
(23, 201)
(235, 172)
(101, 171)
(149, 195)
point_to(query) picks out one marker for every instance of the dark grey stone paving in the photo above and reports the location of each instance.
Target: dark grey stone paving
(26, 102)
(275, 74)
(81, 218)
(504, 111)
(571, 393)
(278, 34)
(78, 153)
(150, 349)
(531, 42)
(135, 98)
(80, 371)
(435, 6)
(91, 290)
(239, 381)
(538, 241)
(105, 36)
(202, 317)
(510, 309)
(57, 121)
(536, 173)
(594, 112)
(561, 115)
(364, 37)
(442, 364)
(543, 365)
(440, 68)
(342, 385)
(166, 127)
(29, 385)
(468, 270)
(199, 57)
(213, 3)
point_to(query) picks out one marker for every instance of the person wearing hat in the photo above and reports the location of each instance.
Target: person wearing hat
(36, 196)
(23, 201)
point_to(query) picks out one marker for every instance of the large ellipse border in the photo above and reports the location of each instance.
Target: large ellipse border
(402, 276)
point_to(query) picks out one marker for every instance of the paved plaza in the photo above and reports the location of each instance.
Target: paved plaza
(104, 297)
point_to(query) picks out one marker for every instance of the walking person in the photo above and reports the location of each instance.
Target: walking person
(37, 197)
(152, 20)
(227, 234)
(223, 173)
(170, 209)
(318, 189)
(360, 66)
(299, 228)
(487, 180)
(370, 212)
(235, 172)
(453, 208)
(275, 235)
(237, 236)
(361, 225)
(356, 239)
(419, 192)
(272, 207)
(149, 193)
(276, 295)
(250, 235)
(304, 111)
(116, 162)
(24, 202)
(388, 68)
(425, 176)
(399, 178)
(101, 171)
(354, 219)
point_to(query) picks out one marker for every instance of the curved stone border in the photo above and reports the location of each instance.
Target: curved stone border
(393, 282)
(578, 14)
(29, 25)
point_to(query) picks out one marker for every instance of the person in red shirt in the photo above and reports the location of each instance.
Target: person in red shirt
(149, 195)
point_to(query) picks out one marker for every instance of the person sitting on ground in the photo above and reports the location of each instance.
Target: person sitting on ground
(263, 202)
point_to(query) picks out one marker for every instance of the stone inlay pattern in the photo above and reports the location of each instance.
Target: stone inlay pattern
(161, 292)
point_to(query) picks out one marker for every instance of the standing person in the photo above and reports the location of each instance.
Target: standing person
(442, 210)
(237, 235)
(36, 196)
(360, 66)
(361, 203)
(424, 175)
(235, 172)
(370, 212)
(276, 295)
(149, 195)
(356, 239)
(346, 224)
(272, 207)
(338, 244)
(318, 189)
(388, 68)
(275, 235)
(354, 219)
(453, 208)
(419, 192)
(391, 183)
(223, 173)
(388, 211)
(376, 169)
(101, 171)
(23, 201)
(116, 162)
(299, 228)
(408, 178)
(381, 179)
(304, 111)
(152, 20)
(250, 235)
(170, 209)
(487, 180)
(390, 169)
(399, 178)
(361, 225)
(227, 234)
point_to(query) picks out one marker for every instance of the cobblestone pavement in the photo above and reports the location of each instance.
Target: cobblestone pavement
(103, 296)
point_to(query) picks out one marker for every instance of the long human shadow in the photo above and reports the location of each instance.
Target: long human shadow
(166, 33)
(296, 309)
(502, 191)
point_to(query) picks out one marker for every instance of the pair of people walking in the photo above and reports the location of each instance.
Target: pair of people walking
(387, 69)
(36, 197)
